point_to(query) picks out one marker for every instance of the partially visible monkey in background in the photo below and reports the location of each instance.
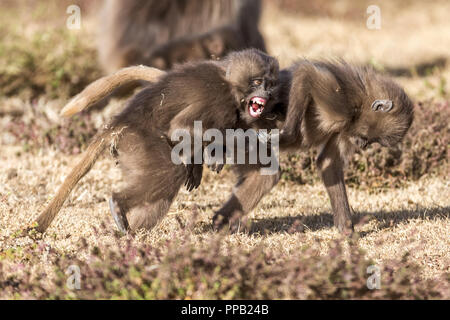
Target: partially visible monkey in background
(132, 31)
(213, 45)
(334, 107)
(238, 92)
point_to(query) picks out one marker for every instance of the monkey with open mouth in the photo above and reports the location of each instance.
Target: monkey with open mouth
(334, 107)
(239, 92)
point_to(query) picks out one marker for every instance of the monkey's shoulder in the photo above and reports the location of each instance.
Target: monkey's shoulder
(200, 82)
(204, 73)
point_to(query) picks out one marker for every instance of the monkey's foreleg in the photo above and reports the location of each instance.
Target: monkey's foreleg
(194, 174)
(216, 163)
(330, 164)
(249, 190)
(299, 100)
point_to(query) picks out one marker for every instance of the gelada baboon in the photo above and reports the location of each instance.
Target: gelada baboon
(212, 45)
(132, 31)
(336, 108)
(235, 93)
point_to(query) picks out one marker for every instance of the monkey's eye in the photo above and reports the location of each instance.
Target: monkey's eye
(256, 82)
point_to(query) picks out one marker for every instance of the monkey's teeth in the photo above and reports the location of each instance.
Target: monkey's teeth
(255, 112)
(258, 100)
(256, 106)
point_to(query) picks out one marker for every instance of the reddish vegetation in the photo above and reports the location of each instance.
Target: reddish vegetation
(183, 269)
(424, 151)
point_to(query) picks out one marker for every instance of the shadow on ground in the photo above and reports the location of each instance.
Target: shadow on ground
(324, 220)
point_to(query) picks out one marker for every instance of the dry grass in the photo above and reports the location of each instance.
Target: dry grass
(414, 218)
(413, 35)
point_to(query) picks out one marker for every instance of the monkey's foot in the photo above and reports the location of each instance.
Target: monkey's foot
(287, 139)
(236, 224)
(216, 167)
(345, 227)
(119, 218)
(219, 221)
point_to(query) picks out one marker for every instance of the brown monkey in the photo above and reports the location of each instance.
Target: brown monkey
(132, 30)
(334, 107)
(236, 93)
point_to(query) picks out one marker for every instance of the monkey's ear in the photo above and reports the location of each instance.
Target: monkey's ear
(382, 105)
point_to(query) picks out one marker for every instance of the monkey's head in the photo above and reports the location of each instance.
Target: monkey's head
(385, 116)
(254, 79)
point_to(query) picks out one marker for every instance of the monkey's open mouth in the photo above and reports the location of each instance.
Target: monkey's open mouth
(256, 106)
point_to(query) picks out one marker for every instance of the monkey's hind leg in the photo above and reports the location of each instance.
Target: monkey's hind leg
(147, 215)
(144, 215)
(152, 181)
(330, 163)
(249, 190)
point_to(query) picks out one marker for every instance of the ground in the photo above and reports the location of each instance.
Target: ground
(404, 210)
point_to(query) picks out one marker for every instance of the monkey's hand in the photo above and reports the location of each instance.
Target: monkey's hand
(287, 138)
(215, 162)
(216, 167)
(359, 142)
(194, 173)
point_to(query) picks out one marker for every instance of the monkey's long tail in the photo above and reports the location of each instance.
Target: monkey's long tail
(91, 155)
(102, 87)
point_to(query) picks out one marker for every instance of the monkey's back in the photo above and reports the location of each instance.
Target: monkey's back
(337, 90)
(201, 87)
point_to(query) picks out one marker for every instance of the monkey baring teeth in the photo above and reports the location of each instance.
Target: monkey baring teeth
(193, 92)
(256, 106)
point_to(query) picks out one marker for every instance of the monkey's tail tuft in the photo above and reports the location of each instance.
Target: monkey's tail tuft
(75, 105)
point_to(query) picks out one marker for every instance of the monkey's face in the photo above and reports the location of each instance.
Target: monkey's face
(386, 120)
(254, 77)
